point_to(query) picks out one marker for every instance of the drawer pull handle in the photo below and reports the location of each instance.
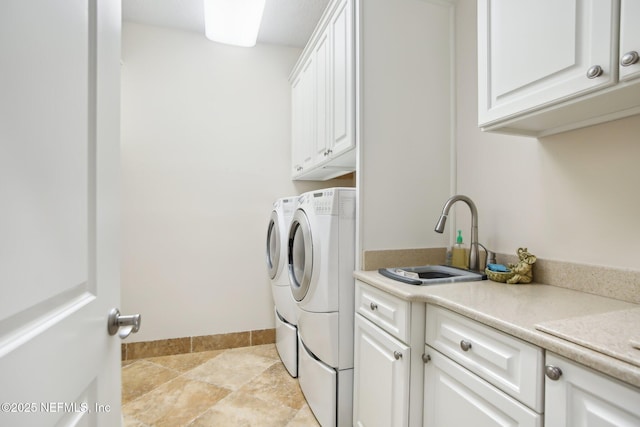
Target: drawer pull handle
(629, 58)
(426, 358)
(465, 345)
(373, 306)
(553, 372)
(594, 72)
(397, 355)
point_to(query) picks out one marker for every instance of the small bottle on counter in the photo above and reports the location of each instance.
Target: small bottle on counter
(459, 253)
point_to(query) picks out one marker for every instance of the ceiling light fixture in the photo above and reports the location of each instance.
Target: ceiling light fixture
(234, 22)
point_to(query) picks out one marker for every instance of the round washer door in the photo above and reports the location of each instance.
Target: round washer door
(300, 255)
(273, 245)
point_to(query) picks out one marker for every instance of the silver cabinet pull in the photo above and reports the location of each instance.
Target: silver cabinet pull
(553, 372)
(465, 345)
(397, 355)
(426, 358)
(130, 324)
(593, 72)
(373, 306)
(629, 58)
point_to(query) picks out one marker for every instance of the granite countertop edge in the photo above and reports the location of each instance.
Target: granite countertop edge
(516, 309)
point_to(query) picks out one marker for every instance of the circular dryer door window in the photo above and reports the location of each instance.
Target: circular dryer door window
(273, 245)
(300, 257)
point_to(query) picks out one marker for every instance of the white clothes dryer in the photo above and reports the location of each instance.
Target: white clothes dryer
(321, 258)
(285, 310)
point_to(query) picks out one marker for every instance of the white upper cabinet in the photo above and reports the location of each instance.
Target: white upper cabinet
(343, 79)
(629, 40)
(547, 66)
(323, 98)
(303, 116)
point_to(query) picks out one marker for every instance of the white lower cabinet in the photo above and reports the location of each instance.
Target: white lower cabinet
(381, 380)
(388, 367)
(422, 365)
(453, 396)
(576, 396)
(475, 375)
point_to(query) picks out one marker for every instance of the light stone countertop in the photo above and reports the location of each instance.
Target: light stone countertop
(517, 309)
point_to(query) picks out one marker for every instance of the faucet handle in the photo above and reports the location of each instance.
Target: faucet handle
(491, 256)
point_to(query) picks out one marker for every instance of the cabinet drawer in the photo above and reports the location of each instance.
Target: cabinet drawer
(388, 312)
(512, 365)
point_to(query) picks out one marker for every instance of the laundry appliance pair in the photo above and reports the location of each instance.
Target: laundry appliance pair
(320, 261)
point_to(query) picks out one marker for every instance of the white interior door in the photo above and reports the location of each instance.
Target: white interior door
(59, 230)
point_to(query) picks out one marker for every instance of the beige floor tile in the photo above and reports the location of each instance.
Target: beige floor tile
(141, 377)
(175, 403)
(244, 410)
(276, 385)
(304, 418)
(237, 387)
(231, 369)
(265, 350)
(131, 422)
(185, 362)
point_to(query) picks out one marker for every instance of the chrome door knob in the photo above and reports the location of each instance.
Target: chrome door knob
(130, 324)
(553, 372)
(595, 71)
(629, 58)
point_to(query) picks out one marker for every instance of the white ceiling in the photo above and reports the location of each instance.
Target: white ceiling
(285, 22)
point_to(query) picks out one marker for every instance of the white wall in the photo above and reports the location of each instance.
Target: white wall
(404, 169)
(205, 152)
(570, 197)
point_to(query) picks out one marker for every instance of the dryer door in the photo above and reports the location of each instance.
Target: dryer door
(273, 245)
(300, 255)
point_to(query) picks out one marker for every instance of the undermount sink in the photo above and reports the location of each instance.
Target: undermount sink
(431, 274)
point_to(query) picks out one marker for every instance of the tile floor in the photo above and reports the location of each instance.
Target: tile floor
(238, 387)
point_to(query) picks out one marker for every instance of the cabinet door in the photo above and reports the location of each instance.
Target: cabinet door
(296, 126)
(322, 53)
(381, 377)
(536, 53)
(343, 78)
(453, 396)
(582, 397)
(629, 38)
(303, 117)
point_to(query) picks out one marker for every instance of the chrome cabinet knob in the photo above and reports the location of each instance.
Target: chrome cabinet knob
(130, 324)
(397, 355)
(465, 345)
(553, 372)
(373, 306)
(426, 358)
(629, 58)
(595, 71)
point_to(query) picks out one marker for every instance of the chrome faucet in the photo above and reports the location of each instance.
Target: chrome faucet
(474, 253)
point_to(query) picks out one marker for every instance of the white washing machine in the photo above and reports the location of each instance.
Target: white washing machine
(321, 257)
(285, 306)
